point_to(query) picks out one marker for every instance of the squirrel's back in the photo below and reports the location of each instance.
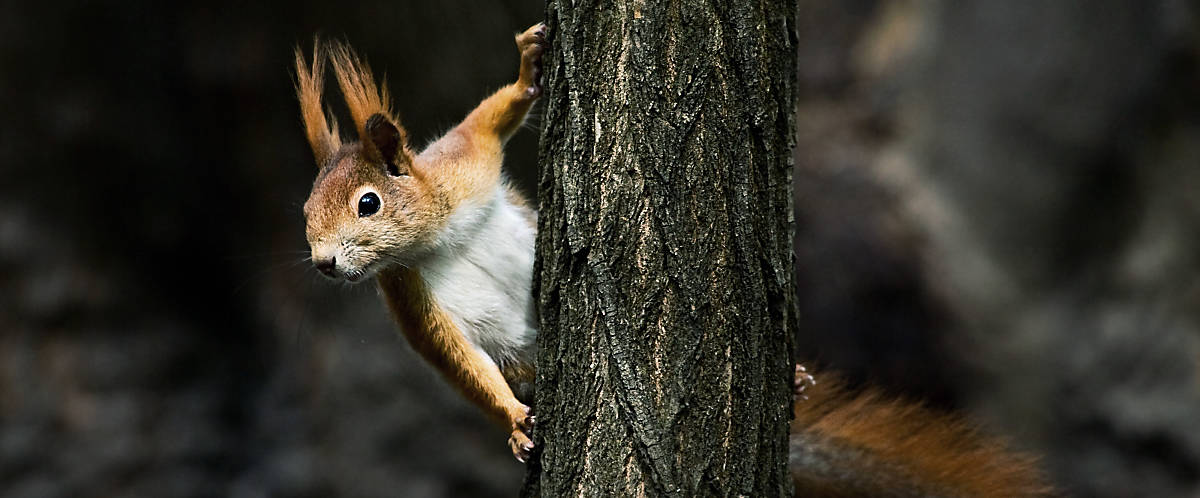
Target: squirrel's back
(863, 444)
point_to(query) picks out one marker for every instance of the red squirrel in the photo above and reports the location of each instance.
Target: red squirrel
(451, 246)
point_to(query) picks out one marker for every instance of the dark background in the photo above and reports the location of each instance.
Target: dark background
(998, 210)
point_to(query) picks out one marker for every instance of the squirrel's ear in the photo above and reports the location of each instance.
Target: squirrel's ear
(388, 140)
(322, 135)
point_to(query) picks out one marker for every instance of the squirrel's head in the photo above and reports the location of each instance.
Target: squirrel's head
(370, 206)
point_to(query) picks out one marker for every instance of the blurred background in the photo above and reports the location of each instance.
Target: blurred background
(998, 210)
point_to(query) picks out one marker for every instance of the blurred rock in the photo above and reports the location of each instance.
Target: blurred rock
(1029, 171)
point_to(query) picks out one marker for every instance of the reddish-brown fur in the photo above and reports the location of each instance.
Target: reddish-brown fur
(309, 83)
(864, 444)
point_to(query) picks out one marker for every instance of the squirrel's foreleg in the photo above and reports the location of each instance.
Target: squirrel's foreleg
(501, 114)
(433, 334)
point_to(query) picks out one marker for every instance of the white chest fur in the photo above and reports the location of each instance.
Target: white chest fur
(481, 275)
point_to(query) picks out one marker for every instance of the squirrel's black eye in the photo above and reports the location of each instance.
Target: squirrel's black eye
(368, 204)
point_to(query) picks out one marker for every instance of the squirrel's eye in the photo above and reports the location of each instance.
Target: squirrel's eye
(368, 204)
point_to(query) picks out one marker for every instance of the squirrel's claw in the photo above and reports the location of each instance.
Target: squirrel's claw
(801, 381)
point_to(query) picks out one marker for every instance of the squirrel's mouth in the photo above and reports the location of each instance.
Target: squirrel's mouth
(362, 273)
(351, 276)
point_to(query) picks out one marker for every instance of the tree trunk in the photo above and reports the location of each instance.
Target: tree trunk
(664, 276)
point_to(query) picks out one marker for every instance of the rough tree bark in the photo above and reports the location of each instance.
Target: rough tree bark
(664, 278)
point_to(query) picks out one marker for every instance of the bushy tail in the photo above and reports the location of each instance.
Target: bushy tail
(860, 444)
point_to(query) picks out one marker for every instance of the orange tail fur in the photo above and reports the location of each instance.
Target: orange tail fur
(846, 444)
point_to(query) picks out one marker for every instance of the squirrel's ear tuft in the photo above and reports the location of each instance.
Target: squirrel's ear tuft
(389, 141)
(321, 133)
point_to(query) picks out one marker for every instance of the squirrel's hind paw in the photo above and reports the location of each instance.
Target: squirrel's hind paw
(801, 381)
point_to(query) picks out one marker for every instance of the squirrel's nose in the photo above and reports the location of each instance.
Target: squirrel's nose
(326, 265)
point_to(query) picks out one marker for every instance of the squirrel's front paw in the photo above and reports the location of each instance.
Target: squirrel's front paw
(522, 423)
(531, 44)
